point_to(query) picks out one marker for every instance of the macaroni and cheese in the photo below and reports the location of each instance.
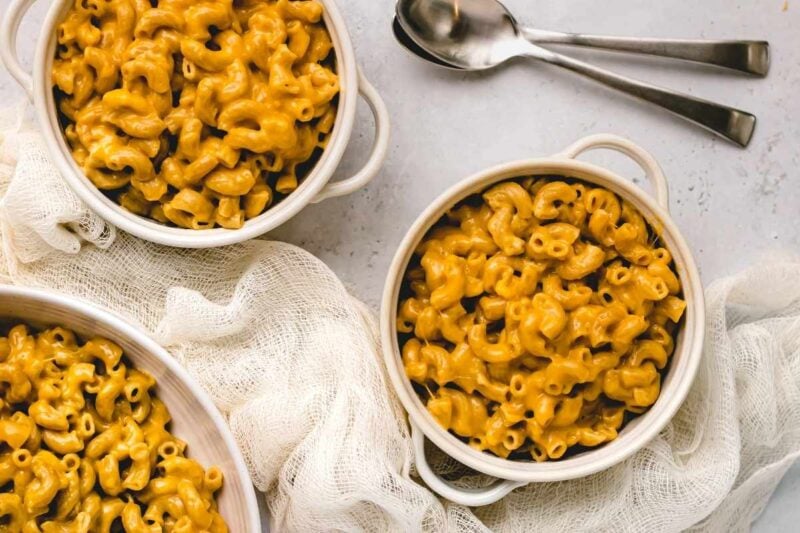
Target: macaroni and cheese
(539, 317)
(85, 445)
(196, 114)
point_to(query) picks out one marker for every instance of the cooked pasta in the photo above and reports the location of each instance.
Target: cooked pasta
(85, 444)
(538, 317)
(195, 114)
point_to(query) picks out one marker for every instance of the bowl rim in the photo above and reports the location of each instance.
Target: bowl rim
(150, 230)
(115, 322)
(639, 431)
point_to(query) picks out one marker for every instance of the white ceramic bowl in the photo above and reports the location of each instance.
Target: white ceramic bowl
(638, 432)
(313, 188)
(195, 419)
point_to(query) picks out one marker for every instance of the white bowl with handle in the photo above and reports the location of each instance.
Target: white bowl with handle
(639, 431)
(195, 419)
(313, 188)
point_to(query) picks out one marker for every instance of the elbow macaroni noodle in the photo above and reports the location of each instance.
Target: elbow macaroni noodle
(84, 444)
(197, 114)
(539, 317)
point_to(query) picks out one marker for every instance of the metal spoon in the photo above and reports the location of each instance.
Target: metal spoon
(750, 57)
(475, 35)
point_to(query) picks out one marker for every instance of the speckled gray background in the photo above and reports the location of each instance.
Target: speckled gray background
(732, 204)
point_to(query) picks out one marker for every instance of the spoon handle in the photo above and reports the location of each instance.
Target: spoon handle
(751, 57)
(732, 124)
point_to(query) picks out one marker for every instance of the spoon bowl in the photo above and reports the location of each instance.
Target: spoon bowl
(468, 34)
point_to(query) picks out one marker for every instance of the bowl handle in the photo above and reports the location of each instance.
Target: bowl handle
(620, 144)
(462, 496)
(379, 148)
(8, 43)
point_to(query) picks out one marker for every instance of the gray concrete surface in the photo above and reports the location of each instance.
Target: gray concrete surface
(733, 205)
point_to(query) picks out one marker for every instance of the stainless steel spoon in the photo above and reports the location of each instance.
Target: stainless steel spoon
(751, 57)
(476, 35)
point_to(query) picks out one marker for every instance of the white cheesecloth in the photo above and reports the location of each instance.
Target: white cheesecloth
(293, 362)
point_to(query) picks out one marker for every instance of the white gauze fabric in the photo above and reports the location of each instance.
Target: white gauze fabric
(294, 364)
